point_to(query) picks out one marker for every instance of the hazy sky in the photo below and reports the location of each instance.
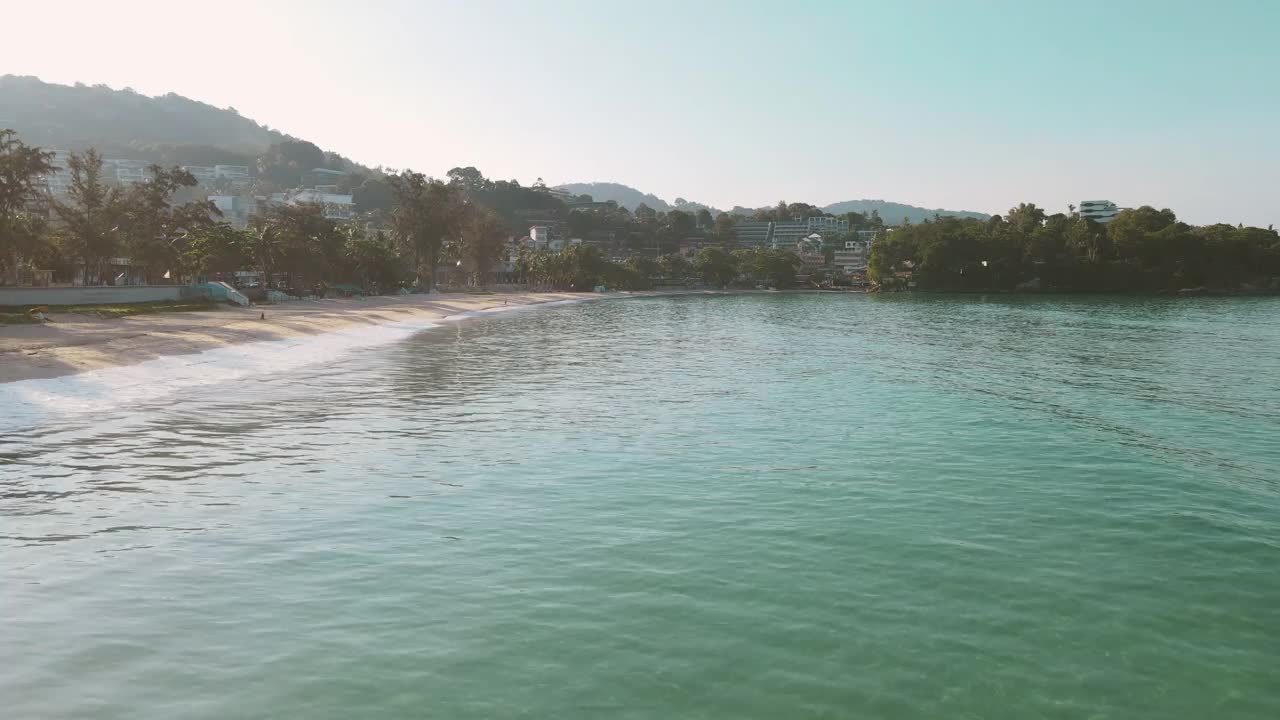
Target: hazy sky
(963, 105)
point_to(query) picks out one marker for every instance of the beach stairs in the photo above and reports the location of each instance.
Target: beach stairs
(222, 292)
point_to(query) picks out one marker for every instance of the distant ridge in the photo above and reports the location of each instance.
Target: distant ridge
(891, 212)
(75, 116)
(626, 196)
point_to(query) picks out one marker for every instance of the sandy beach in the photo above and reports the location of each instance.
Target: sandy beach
(77, 343)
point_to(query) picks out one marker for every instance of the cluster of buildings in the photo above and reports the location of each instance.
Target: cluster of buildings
(1102, 211)
(823, 244)
(228, 187)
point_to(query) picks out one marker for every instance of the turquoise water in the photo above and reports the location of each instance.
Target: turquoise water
(696, 507)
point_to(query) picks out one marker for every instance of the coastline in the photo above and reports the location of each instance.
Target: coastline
(75, 344)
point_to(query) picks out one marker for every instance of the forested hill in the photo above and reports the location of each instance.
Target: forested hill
(631, 198)
(626, 196)
(893, 212)
(66, 116)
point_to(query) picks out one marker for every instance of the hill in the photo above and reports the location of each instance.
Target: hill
(66, 116)
(629, 197)
(626, 196)
(893, 213)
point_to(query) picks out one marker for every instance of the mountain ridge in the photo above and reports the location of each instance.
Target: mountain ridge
(891, 212)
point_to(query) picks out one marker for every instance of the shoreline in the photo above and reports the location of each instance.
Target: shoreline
(75, 344)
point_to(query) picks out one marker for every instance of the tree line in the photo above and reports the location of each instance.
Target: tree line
(460, 223)
(1142, 249)
(169, 240)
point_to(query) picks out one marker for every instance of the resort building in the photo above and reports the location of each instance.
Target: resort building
(1102, 211)
(787, 232)
(58, 182)
(828, 226)
(126, 172)
(204, 174)
(324, 176)
(852, 257)
(540, 236)
(336, 205)
(753, 234)
(231, 172)
(235, 209)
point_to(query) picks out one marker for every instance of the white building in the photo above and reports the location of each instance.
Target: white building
(203, 174)
(126, 172)
(786, 233)
(59, 181)
(540, 235)
(828, 226)
(752, 233)
(235, 209)
(231, 172)
(1102, 211)
(336, 206)
(853, 256)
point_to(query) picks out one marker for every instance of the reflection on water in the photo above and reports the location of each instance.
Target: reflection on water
(757, 506)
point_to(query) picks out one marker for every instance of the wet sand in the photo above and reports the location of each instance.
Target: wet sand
(77, 343)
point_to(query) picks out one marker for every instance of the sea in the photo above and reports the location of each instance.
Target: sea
(764, 505)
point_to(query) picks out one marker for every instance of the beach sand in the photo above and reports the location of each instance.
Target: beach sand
(77, 343)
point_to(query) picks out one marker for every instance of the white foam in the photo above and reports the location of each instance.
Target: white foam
(26, 403)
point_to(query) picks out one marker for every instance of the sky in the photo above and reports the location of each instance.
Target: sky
(963, 105)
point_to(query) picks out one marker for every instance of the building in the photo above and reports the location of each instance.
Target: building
(204, 174)
(231, 172)
(237, 176)
(786, 233)
(336, 205)
(324, 176)
(1102, 211)
(540, 236)
(126, 172)
(828, 226)
(59, 181)
(753, 234)
(235, 209)
(852, 258)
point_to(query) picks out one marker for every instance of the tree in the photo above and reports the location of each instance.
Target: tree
(716, 266)
(426, 212)
(469, 179)
(775, 268)
(704, 219)
(21, 199)
(372, 259)
(300, 242)
(215, 248)
(154, 227)
(1026, 217)
(674, 266)
(725, 232)
(1132, 233)
(91, 220)
(483, 241)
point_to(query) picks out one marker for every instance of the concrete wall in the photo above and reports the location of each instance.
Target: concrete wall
(32, 296)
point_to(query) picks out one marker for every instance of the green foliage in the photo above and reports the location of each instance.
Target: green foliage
(767, 266)
(154, 226)
(371, 259)
(21, 200)
(426, 212)
(716, 266)
(92, 219)
(215, 248)
(1139, 250)
(483, 242)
